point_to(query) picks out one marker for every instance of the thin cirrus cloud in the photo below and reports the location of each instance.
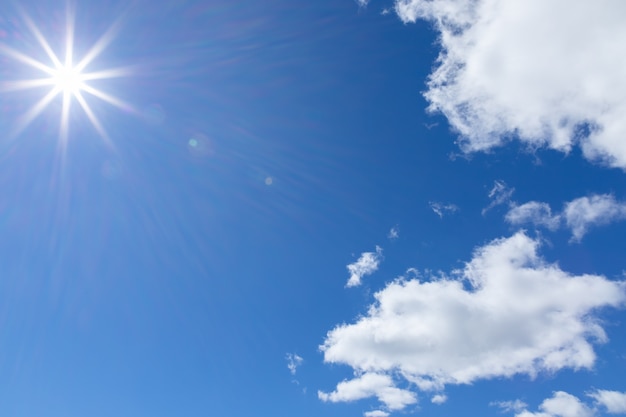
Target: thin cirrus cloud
(578, 215)
(549, 73)
(293, 362)
(367, 264)
(499, 194)
(440, 209)
(507, 312)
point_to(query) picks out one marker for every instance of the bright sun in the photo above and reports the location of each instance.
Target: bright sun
(68, 80)
(65, 79)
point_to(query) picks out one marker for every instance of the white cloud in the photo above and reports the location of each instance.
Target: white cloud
(579, 215)
(507, 312)
(561, 404)
(596, 210)
(367, 264)
(533, 212)
(440, 208)
(293, 361)
(439, 399)
(510, 406)
(371, 385)
(614, 401)
(376, 413)
(541, 71)
(499, 194)
(394, 233)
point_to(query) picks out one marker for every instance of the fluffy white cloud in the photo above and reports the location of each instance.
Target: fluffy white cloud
(614, 401)
(293, 361)
(596, 210)
(507, 312)
(376, 413)
(542, 71)
(561, 404)
(499, 194)
(539, 214)
(367, 264)
(439, 399)
(440, 208)
(371, 385)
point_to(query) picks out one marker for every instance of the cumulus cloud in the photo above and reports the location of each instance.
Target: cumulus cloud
(371, 385)
(584, 212)
(561, 404)
(536, 213)
(367, 264)
(506, 312)
(293, 361)
(376, 413)
(439, 399)
(499, 194)
(394, 233)
(440, 208)
(549, 73)
(613, 401)
(579, 215)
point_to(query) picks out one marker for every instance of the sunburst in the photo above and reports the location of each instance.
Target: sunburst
(64, 78)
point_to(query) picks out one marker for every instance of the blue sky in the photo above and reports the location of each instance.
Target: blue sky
(322, 208)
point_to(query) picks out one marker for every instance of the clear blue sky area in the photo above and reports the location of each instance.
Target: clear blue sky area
(286, 208)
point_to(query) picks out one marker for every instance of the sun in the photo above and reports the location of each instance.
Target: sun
(63, 78)
(68, 80)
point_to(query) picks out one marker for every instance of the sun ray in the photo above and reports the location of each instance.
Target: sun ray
(65, 115)
(34, 111)
(25, 84)
(108, 98)
(92, 118)
(42, 41)
(69, 38)
(18, 56)
(109, 73)
(99, 46)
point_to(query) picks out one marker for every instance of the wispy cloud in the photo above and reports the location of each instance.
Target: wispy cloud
(367, 264)
(440, 208)
(293, 361)
(499, 194)
(579, 215)
(515, 406)
(520, 316)
(394, 233)
(510, 70)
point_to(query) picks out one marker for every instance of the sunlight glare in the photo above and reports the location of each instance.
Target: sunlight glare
(68, 80)
(65, 79)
